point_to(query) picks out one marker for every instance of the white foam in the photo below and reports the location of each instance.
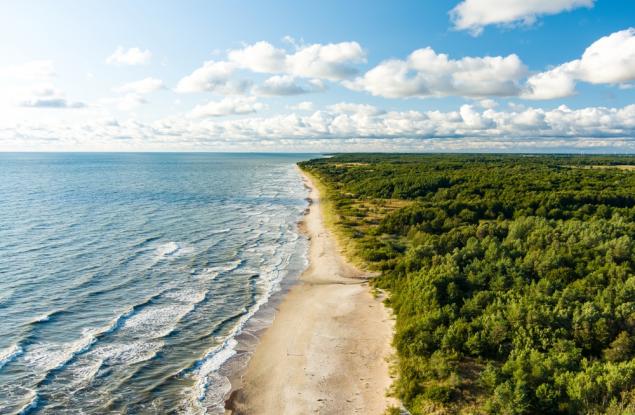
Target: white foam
(30, 405)
(128, 353)
(52, 356)
(217, 231)
(212, 361)
(160, 320)
(218, 355)
(83, 374)
(211, 273)
(157, 321)
(270, 278)
(42, 318)
(191, 296)
(172, 250)
(9, 354)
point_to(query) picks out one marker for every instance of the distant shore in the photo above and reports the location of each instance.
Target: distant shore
(327, 349)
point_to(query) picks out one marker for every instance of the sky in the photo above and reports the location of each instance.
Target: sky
(318, 76)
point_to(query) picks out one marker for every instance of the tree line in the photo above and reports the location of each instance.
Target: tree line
(512, 277)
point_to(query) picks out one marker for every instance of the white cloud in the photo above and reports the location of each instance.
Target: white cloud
(333, 61)
(213, 76)
(281, 85)
(260, 57)
(288, 85)
(474, 15)
(488, 103)
(131, 56)
(144, 86)
(555, 83)
(227, 106)
(425, 73)
(609, 60)
(51, 102)
(47, 96)
(343, 127)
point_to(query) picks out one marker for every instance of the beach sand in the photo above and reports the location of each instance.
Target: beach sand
(327, 349)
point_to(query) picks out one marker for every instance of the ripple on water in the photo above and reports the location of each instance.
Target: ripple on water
(161, 266)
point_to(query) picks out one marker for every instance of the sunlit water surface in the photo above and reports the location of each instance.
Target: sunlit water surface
(126, 278)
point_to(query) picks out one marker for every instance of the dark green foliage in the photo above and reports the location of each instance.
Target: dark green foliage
(512, 277)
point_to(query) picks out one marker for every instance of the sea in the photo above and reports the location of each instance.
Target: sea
(138, 283)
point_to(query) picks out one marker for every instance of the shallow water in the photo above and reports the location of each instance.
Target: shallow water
(125, 279)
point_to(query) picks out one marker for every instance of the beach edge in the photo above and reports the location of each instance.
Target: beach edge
(329, 346)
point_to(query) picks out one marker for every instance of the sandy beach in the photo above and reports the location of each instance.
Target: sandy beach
(327, 349)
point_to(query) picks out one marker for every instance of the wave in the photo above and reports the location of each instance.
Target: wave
(9, 354)
(211, 273)
(161, 321)
(269, 279)
(46, 317)
(171, 250)
(142, 318)
(218, 355)
(52, 357)
(211, 363)
(30, 405)
(128, 353)
(217, 231)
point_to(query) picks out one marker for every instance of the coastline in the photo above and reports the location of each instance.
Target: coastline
(328, 347)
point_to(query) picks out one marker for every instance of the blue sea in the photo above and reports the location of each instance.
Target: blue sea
(136, 283)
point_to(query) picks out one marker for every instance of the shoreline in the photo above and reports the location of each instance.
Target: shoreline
(328, 347)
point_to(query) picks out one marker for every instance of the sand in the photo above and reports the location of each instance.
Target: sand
(327, 349)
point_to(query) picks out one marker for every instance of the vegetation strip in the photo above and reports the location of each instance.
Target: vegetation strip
(512, 277)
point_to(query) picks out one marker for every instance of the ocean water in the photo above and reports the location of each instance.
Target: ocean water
(127, 281)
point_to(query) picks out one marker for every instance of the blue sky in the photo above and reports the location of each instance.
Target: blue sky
(318, 76)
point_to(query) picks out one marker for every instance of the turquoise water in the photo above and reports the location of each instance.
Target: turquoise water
(126, 279)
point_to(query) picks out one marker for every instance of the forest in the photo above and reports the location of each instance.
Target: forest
(511, 277)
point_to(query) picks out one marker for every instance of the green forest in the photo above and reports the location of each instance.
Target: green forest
(511, 277)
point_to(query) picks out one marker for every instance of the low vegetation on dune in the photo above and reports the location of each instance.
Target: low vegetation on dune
(512, 277)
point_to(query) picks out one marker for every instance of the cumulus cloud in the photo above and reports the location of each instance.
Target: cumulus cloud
(281, 85)
(49, 97)
(131, 56)
(474, 15)
(213, 76)
(333, 61)
(425, 73)
(260, 57)
(351, 127)
(609, 60)
(288, 85)
(51, 102)
(144, 86)
(227, 106)
(488, 103)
